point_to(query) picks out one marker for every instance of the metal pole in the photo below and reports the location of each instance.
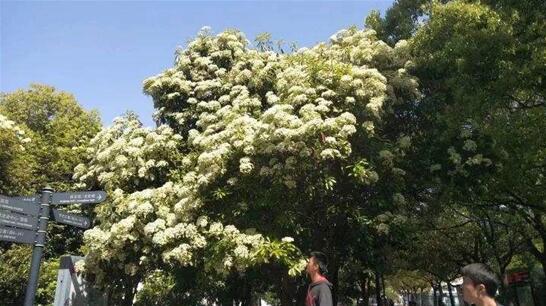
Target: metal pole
(38, 247)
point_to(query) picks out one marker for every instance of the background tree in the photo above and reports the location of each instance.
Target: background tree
(49, 131)
(478, 95)
(477, 126)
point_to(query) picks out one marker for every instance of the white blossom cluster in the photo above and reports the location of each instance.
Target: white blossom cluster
(141, 230)
(272, 111)
(461, 160)
(11, 127)
(127, 154)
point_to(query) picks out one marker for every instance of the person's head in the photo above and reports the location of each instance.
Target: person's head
(479, 283)
(318, 263)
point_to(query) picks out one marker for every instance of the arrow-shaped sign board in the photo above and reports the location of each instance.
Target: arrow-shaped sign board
(17, 235)
(82, 197)
(18, 220)
(21, 205)
(70, 219)
(32, 198)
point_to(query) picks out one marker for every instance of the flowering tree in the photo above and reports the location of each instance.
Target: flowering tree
(253, 146)
(12, 157)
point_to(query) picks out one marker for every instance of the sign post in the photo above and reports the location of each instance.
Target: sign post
(18, 220)
(82, 197)
(38, 247)
(19, 205)
(17, 235)
(70, 219)
(23, 221)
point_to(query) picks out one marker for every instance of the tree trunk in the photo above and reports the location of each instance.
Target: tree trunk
(247, 293)
(516, 297)
(502, 287)
(441, 294)
(365, 291)
(543, 262)
(130, 291)
(335, 281)
(435, 296)
(383, 286)
(378, 289)
(286, 292)
(451, 297)
(536, 221)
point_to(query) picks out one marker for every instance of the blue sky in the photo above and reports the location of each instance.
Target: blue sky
(102, 51)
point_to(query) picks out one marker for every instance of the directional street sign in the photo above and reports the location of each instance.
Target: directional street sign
(70, 219)
(24, 220)
(18, 220)
(17, 235)
(21, 205)
(83, 197)
(32, 198)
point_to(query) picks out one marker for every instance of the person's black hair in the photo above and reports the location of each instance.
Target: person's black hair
(322, 261)
(481, 274)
